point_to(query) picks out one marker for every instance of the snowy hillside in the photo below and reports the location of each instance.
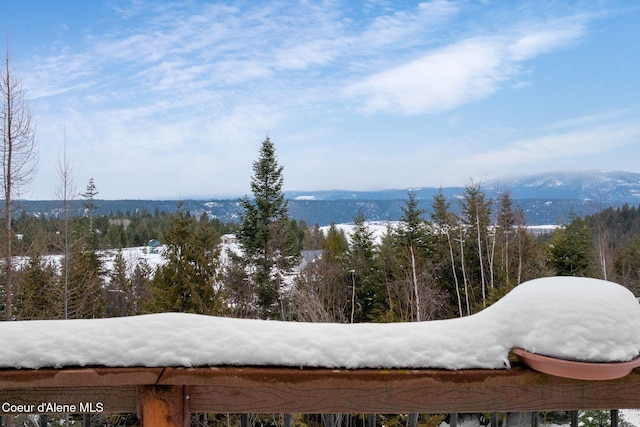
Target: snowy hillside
(544, 198)
(597, 186)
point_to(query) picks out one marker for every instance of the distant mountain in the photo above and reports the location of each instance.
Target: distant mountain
(597, 186)
(546, 198)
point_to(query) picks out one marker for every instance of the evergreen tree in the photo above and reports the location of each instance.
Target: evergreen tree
(411, 265)
(89, 203)
(505, 232)
(368, 295)
(441, 215)
(571, 250)
(313, 237)
(517, 252)
(270, 246)
(335, 244)
(447, 226)
(412, 235)
(141, 287)
(412, 222)
(189, 279)
(119, 290)
(38, 295)
(84, 269)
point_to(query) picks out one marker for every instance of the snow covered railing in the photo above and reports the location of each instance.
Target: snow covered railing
(166, 366)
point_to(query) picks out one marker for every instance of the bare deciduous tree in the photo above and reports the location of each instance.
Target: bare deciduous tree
(65, 192)
(19, 157)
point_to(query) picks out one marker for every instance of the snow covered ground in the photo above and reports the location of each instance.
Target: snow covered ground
(134, 255)
(568, 317)
(380, 228)
(377, 228)
(632, 416)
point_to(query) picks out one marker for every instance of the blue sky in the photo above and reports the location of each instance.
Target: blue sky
(168, 100)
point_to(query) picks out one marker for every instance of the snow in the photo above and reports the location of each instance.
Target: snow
(379, 229)
(577, 318)
(133, 256)
(631, 416)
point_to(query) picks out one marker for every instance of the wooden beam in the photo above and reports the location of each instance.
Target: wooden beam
(293, 390)
(78, 377)
(282, 390)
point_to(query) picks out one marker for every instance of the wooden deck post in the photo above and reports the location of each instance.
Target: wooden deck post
(163, 406)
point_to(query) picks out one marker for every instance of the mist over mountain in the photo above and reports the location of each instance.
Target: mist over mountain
(546, 198)
(596, 186)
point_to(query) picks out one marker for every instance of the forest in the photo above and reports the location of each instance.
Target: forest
(447, 262)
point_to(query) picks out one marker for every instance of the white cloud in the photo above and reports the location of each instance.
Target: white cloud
(438, 81)
(461, 72)
(540, 39)
(408, 27)
(590, 120)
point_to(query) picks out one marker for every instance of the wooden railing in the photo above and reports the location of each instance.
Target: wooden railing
(166, 396)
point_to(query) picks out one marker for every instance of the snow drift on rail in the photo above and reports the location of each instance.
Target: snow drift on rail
(564, 317)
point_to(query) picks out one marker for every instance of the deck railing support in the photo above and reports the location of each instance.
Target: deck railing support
(614, 418)
(574, 419)
(164, 406)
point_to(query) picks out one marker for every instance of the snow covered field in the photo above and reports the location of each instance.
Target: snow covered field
(133, 256)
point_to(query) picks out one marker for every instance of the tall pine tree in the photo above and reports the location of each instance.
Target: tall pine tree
(270, 248)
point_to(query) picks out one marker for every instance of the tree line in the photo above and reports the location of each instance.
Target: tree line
(451, 261)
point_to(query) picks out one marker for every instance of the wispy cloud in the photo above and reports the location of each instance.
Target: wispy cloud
(570, 144)
(408, 27)
(172, 83)
(591, 120)
(438, 81)
(462, 71)
(545, 37)
(186, 50)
